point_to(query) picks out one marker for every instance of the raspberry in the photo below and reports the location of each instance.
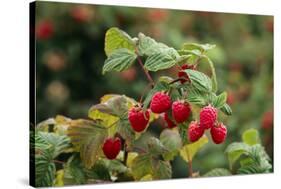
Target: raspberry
(208, 116)
(111, 147)
(195, 132)
(169, 122)
(160, 102)
(181, 111)
(218, 133)
(138, 119)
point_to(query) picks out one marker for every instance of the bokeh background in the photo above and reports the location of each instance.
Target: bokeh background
(70, 55)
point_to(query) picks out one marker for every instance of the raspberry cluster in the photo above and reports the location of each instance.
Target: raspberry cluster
(208, 120)
(174, 112)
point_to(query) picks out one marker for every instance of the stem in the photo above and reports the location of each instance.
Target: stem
(214, 76)
(144, 91)
(57, 161)
(145, 71)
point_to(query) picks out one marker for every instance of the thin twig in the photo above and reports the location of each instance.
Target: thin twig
(145, 71)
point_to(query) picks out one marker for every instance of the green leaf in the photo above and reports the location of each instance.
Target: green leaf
(196, 97)
(117, 39)
(199, 80)
(218, 172)
(144, 165)
(220, 100)
(201, 47)
(148, 46)
(155, 146)
(161, 169)
(114, 165)
(172, 141)
(162, 60)
(74, 171)
(45, 170)
(88, 138)
(226, 109)
(183, 132)
(119, 60)
(235, 150)
(47, 147)
(190, 150)
(251, 137)
(127, 133)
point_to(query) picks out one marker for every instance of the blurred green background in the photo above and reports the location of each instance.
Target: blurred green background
(70, 55)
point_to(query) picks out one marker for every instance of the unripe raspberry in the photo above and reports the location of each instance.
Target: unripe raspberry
(160, 102)
(182, 74)
(181, 111)
(138, 119)
(195, 132)
(111, 147)
(169, 122)
(218, 133)
(208, 116)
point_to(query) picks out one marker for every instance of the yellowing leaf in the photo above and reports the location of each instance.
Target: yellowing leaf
(116, 39)
(59, 178)
(88, 137)
(189, 150)
(147, 177)
(131, 157)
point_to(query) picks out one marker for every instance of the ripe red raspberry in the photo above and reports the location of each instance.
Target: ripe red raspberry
(208, 116)
(138, 119)
(170, 122)
(195, 132)
(160, 102)
(111, 147)
(218, 133)
(181, 111)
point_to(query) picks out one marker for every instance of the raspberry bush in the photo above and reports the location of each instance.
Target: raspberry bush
(106, 147)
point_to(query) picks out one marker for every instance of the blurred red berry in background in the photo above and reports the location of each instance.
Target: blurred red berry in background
(267, 120)
(44, 29)
(157, 15)
(129, 74)
(81, 13)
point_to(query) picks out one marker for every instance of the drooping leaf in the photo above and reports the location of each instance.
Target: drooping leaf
(189, 151)
(220, 100)
(45, 170)
(117, 39)
(114, 165)
(172, 141)
(131, 157)
(127, 133)
(59, 178)
(201, 47)
(199, 80)
(251, 137)
(162, 60)
(226, 109)
(141, 166)
(119, 60)
(88, 138)
(161, 169)
(235, 150)
(218, 172)
(148, 46)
